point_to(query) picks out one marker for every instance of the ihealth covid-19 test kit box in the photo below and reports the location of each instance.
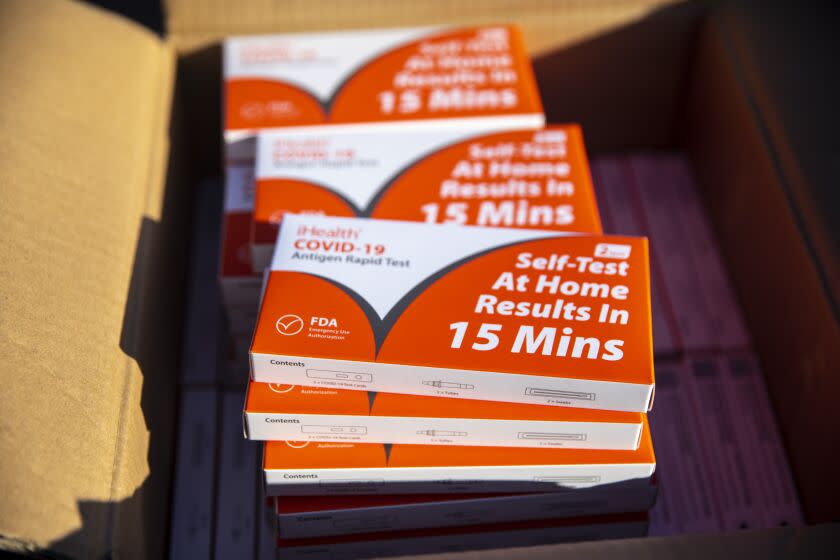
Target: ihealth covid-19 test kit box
(523, 178)
(288, 412)
(426, 77)
(319, 468)
(496, 314)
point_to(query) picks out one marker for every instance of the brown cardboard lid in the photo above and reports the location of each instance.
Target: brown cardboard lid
(547, 24)
(84, 109)
(791, 86)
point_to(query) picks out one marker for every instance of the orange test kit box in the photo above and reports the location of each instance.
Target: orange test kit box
(521, 178)
(498, 314)
(313, 468)
(287, 412)
(421, 76)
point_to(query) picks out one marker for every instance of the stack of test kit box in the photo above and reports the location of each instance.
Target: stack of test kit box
(446, 346)
(462, 80)
(505, 361)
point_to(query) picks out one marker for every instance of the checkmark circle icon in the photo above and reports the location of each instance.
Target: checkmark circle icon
(289, 325)
(280, 388)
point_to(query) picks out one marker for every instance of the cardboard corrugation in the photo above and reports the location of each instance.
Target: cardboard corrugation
(86, 254)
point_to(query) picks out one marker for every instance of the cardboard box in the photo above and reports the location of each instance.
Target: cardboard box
(524, 178)
(683, 471)
(660, 211)
(242, 319)
(620, 214)
(310, 468)
(193, 503)
(266, 530)
(460, 539)
(715, 285)
(760, 442)
(204, 318)
(325, 516)
(662, 520)
(105, 283)
(236, 494)
(421, 77)
(510, 315)
(287, 412)
(732, 486)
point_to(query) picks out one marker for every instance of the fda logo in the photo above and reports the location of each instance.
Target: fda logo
(280, 388)
(289, 325)
(612, 251)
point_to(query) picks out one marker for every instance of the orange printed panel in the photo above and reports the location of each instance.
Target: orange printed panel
(276, 197)
(296, 301)
(562, 333)
(568, 324)
(310, 455)
(278, 455)
(460, 74)
(292, 399)
(501, 180)
(253, 104)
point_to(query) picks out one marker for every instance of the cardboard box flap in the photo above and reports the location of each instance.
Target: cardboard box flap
(751, 164)
(772, 75)
(547, 24)
(85, 102)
